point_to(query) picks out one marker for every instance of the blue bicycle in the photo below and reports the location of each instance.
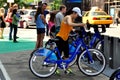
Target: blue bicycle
(115, 75)
(44, 62)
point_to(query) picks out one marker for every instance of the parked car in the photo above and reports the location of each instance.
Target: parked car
(27, 18)
(96, 17)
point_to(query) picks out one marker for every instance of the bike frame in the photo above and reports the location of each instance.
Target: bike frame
(80, 43)
(94, 38)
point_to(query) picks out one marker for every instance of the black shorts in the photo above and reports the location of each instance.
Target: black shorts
(40, 30)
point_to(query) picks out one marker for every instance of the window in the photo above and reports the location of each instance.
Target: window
(98, 13)
(32, 13)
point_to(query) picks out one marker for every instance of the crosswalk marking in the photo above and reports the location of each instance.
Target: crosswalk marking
(4, 72)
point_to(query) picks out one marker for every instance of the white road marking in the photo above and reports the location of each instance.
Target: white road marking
(4, 71)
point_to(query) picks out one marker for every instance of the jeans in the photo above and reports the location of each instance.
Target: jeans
(11, 29)
(63, 46)
(15, 32)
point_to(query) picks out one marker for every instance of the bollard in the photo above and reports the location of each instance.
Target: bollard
(115, 62)
(107, 48)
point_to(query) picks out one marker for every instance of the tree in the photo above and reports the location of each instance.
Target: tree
(56, 4)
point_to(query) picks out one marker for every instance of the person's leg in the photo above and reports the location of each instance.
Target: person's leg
(66, 49)
(11, 29)
(59, 44)
(2, 29)
(95, 28)
(0, 33)
(15, 32)
(41, 39)
(103, 28)
(38, 41)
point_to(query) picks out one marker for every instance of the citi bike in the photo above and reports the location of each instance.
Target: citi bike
(43, 62)
(115, 75)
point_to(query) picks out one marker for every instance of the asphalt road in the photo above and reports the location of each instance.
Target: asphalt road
(16, 65)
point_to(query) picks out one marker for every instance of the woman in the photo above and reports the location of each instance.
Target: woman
(15, 6)
(40, 26)
(15, 20)
(9, 20)
(66, 27)
(2, 22)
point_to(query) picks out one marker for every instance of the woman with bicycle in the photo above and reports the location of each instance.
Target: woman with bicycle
(66, 27)
(43, 62)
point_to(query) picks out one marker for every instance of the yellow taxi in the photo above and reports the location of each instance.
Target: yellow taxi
(97, 17)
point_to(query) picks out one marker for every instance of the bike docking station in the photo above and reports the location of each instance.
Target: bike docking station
(111, 49)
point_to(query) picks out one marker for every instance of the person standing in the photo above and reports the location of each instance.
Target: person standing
(40, 26)
(59, 17)
(9, 20)
(15, 6)
(15, 20)
(2, 22)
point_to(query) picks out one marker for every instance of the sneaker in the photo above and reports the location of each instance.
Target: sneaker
(57, 72)
(68, 71)
(17, 37)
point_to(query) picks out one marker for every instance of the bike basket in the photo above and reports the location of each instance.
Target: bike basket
(71, 49)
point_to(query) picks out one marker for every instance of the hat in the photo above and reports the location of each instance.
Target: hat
(77, 10)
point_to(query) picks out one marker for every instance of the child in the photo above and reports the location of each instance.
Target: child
(51, 25)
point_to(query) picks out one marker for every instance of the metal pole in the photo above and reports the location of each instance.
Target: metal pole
(108, 6)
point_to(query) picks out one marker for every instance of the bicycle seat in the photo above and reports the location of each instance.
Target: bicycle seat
(51, 41)
(73, 35)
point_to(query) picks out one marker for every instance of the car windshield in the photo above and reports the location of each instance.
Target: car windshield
(98, 13)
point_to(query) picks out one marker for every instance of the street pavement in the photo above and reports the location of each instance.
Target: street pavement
(15, 64)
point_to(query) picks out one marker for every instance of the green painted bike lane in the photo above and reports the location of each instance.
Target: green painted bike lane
(7, 46)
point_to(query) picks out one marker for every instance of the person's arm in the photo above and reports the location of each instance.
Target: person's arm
(71, 23)
(43, 18)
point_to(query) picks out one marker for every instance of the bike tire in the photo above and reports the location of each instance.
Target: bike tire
(91, 68)
(115, 74)
(98, 45)
(38, 67)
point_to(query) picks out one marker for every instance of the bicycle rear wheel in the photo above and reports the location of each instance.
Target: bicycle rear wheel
(99, 45)
(39, 67)
(94, 66)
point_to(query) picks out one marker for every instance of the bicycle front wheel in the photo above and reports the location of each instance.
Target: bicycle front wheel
(89, 64)
(39, 67)
(115, 75)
